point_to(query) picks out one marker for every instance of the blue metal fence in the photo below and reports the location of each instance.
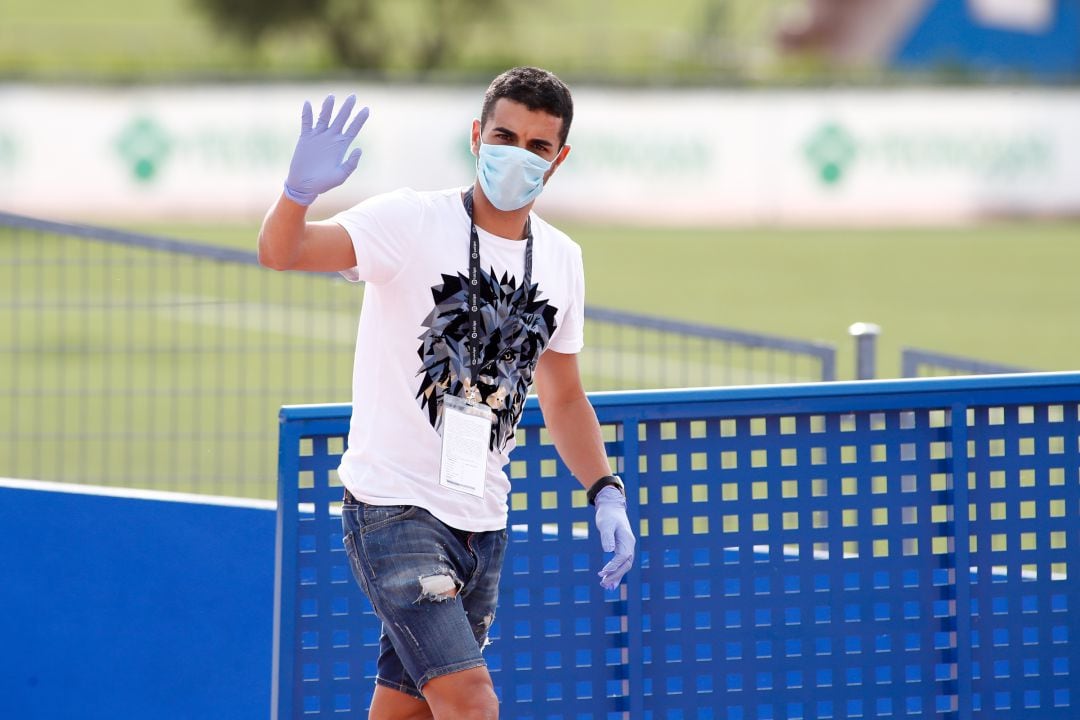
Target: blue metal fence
(925, 363)
(849, 550)
(138, 360)
(141, 361)
(633, 351)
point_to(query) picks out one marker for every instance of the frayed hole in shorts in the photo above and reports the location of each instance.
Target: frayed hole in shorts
(438, 587)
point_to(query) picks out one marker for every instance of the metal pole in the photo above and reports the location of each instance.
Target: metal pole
(865, 335)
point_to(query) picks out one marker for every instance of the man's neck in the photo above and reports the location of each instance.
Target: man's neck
(497, 222)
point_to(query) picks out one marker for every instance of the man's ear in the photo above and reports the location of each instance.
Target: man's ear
(563, 152)
(474, 138)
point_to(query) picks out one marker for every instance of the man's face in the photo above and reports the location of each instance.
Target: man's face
(511, 123)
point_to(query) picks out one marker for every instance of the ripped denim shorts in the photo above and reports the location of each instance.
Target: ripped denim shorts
(433, 587)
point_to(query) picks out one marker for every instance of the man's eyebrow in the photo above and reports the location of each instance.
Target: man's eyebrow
(512, 134)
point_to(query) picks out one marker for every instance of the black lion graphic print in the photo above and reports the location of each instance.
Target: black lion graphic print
(516, 327)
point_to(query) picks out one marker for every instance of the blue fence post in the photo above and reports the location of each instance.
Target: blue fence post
(865, 335)
(962, 563)
(629, 452)
(285, 571)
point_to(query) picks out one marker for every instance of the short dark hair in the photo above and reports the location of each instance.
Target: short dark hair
(534, 88)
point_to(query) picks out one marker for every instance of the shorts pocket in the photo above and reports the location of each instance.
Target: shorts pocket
(355, 564)
(374, 517)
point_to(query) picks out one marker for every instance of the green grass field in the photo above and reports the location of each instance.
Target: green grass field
(133, 367)
(141, 368)
(1001, 293)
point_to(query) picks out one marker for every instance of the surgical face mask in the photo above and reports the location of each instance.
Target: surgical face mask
(511, 177)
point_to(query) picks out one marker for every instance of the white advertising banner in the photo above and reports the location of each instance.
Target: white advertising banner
(660, 157)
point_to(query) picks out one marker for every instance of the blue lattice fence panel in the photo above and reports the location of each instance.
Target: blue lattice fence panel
(1024, 485)
(801, 550)
(559, 643)
(790, 572)
(337, 633)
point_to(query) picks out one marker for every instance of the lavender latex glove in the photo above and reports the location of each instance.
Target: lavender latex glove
(319, 162)
(615, 534)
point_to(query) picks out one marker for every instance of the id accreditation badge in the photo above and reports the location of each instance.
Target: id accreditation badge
(466, 433)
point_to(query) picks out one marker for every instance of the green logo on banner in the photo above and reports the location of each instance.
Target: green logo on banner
(831, 150)
(144, 145)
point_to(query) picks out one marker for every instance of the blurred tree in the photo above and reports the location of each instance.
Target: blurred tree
(362, 34)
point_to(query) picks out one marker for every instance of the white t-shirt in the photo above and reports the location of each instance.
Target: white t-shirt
(412, 249)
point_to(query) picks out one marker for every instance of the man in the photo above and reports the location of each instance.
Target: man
(469, 298)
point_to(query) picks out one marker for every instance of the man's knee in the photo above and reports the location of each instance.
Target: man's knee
(465, 695)
(388, 704)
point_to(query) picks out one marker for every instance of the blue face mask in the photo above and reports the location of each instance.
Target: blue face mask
(511, 177)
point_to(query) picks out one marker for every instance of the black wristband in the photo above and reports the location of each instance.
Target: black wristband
(606, 481)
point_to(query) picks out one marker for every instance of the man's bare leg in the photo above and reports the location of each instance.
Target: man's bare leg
(390, 704)
(465, 695)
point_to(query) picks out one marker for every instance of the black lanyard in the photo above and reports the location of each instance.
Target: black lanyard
(474, 342)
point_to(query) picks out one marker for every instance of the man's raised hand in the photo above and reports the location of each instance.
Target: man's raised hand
(319, 162)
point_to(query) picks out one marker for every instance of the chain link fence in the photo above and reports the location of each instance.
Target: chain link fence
(142, 361)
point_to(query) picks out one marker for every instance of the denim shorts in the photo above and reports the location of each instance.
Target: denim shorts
(433, 587)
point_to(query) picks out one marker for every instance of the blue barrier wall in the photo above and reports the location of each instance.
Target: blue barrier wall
(838, 550)
(113, 607)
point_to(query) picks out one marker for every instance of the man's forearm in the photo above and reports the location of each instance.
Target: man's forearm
(281, 234)
(576, 432)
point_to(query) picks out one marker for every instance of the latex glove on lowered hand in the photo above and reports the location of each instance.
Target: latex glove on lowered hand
(615, 535)
(319, 162)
